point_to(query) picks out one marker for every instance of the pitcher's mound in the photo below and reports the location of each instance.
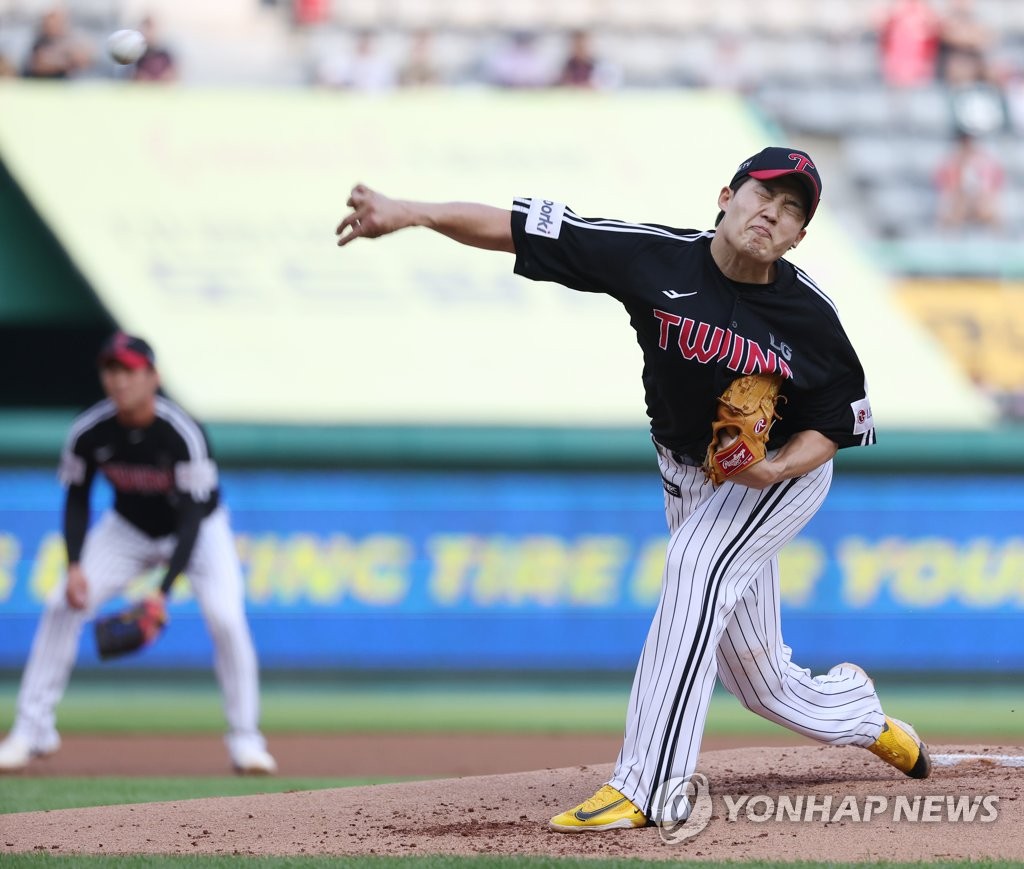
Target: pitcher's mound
(802, 803)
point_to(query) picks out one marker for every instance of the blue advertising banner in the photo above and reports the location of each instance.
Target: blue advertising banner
(475, 570)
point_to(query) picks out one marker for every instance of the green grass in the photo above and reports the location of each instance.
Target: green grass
(574, 704)
(25, 794)
(984, 711)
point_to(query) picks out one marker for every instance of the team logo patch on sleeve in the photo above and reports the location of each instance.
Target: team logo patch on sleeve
(862, 419)
(545, 218)
(198, 478)
(71, 471)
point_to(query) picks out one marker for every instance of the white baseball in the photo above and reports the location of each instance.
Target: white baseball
(126, 46)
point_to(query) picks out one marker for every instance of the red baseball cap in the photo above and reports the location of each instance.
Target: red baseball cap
(776, 162)
(128, 350)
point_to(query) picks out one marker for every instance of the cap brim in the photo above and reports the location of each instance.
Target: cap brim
(127, 358)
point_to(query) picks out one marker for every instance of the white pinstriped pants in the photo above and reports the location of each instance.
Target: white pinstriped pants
(719, 615)
(115, 553)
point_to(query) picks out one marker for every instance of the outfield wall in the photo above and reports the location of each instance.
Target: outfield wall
(524, 571)
(207, 224)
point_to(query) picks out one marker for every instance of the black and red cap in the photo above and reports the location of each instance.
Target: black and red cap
(129, 350)
(776, 162)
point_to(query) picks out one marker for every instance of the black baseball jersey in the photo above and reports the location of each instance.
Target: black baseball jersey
(700, 330)
(164, 477)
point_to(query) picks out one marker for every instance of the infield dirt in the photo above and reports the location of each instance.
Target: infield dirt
(507, 812)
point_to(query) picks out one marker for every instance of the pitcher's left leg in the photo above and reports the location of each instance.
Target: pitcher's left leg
(754, 664)
(840, 707)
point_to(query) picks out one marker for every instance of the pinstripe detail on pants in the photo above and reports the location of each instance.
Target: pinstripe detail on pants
(719, 615)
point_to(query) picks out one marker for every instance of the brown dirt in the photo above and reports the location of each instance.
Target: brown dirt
(359, 755)
(495, 809)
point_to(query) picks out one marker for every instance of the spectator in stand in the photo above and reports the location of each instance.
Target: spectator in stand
(366, 68)
(583, 68)
(731, 68)
(519, 63)
(909, 43)
(969, 182)
(961, 32)
(973, 81)
(978, 104)
(419, 69)
(311, 12)
(157, 63)
(7, 69)
(56, 52)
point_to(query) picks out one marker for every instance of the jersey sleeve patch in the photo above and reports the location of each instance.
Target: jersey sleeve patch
(862, 419)
(197, 478)
(71, 471)
(545, 218)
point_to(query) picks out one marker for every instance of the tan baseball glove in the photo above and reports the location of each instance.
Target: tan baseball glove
(739, 436)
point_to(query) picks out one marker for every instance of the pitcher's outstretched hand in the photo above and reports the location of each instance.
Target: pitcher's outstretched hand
(373, 215)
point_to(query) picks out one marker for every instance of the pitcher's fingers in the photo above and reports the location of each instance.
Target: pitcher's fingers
(354, 232)
(347, 221)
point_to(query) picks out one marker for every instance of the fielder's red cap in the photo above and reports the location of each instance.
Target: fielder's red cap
(776, 162)
(128, 350)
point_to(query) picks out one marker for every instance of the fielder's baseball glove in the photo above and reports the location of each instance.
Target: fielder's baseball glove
(746, 411)
(131, 629)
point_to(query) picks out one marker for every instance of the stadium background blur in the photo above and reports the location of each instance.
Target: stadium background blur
(427, 469)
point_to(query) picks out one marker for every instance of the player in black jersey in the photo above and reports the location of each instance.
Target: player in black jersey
(166, 511)
(707, 306)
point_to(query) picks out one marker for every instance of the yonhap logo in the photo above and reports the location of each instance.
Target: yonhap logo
(682, 807)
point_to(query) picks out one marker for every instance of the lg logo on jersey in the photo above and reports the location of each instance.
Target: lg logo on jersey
(785, 351)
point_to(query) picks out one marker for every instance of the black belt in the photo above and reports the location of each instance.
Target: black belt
(679, 458)
(684, 459)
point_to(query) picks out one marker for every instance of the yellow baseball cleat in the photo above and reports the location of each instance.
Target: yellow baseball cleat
(608, 809)
(901, 747)
(898, 745)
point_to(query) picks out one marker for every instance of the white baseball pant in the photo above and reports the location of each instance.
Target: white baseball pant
(719, 615)
(115, 553)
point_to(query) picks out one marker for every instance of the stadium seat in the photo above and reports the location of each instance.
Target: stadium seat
(923, 110)
(900, 209)
(867, 157)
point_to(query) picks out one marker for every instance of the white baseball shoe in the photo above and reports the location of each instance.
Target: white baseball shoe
(253, 761)
(16, 752)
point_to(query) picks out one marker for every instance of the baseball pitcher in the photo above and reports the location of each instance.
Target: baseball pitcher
(752, 385)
